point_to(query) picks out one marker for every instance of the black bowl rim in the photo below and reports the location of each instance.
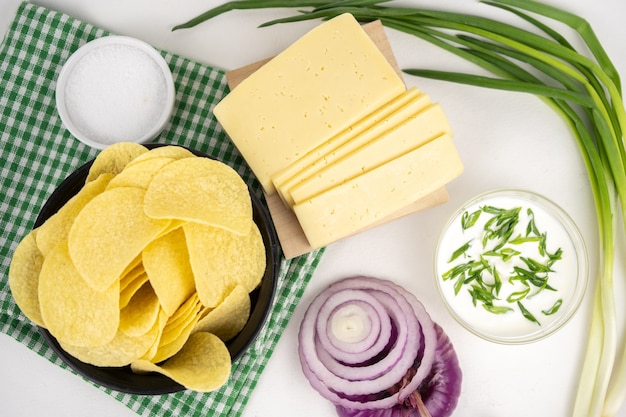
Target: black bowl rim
(122, 378)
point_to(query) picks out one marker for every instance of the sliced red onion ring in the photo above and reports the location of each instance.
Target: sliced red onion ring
(400, 356)
(430, 335)
(352, 324)
(442, 388)
(439, 392)
(345, 308)
(380, 374)
(380, 383)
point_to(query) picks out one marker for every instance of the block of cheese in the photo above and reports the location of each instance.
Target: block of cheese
(287, 174)
(353, 205)
(323, 83)
(352, 143)
(413, 131)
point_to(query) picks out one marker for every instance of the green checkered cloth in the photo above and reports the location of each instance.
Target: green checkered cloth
(37, 153)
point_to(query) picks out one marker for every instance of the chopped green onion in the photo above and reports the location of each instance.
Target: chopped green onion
(505, 253)
(531, 228)
(518, 295)
(497, 309)
(555, 307)
(469, 219)
(521, 240)
(460, 251)
(527, 313)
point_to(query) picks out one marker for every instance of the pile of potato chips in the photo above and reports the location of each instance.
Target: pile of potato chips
(149, 265)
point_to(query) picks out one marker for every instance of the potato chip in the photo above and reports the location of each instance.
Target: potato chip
(128, 277)
(142, 311)
(174, 224)
(229, 318)
(168, 151)
(203, 364)
(176, 332)
(176, 324)
(222, 260)
(72, 310)
(114, 158)
(57, 227)
(166, 261)
(167, 350)
(132, 265)
(109, 233)
(132, 287)
(182, 314)
(122, 350)
(161, 321)
(140, 174)
(201, 190)
(24, 277)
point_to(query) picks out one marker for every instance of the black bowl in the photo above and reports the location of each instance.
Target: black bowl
(122, 378)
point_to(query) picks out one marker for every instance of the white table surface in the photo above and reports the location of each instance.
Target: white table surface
(505, 140)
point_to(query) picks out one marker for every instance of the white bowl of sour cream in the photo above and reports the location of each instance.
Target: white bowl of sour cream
(115, 88)
(511, 266)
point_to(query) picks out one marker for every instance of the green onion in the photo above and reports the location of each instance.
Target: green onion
(518, 295)
(505, 253)
(555, 307)
(531, 228)
(469, 219)
(527, 313)
(497, 309)
(521, 240)
(584, 90)
(460, 251)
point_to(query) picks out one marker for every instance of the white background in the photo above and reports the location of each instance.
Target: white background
(505, 140)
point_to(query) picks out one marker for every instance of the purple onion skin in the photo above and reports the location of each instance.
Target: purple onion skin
(440, 391)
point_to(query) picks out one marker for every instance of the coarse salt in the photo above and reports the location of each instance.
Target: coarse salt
(116, 92)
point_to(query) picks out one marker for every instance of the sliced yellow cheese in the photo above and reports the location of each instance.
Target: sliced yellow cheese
(350, 144)
(353, 205)
(414, 131)
(320, 85)
(290, 172)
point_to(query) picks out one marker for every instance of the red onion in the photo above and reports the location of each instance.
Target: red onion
(439, 392)
(389, 367)
(369, 346)
(371, 343)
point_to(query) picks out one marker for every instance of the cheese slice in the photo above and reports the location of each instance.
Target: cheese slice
(353, 205)
(351, 143)
(291, 171)
(320, 85)
(416, 130)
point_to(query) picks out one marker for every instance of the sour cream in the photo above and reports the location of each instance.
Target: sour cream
(568, 278)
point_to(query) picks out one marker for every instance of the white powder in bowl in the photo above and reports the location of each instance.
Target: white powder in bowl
(116, 92)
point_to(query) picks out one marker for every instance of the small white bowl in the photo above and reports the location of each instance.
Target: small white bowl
(115, 89)
(569, 279)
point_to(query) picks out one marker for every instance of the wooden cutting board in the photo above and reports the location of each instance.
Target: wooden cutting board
(290, 234)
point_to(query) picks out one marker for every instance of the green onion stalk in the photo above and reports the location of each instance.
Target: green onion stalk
(583, 88)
